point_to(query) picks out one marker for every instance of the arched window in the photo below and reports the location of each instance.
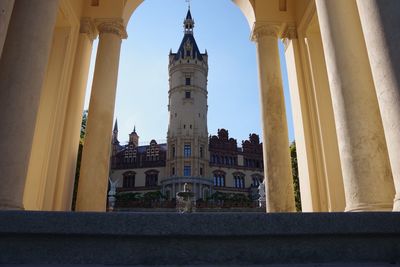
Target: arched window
(219, 178)
(239, 180)
(129, 179)
(256, 180)
(151, 178)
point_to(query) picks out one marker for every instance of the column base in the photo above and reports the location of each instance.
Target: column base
(396, 203)
(370, 207)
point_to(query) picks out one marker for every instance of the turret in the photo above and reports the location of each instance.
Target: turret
(134, 137)
(115, 133)
(114, 141)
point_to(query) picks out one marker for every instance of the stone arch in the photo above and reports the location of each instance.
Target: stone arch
(245, 6)
(129, 8)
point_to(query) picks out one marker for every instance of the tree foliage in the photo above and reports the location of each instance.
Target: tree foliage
(79, 157)
(295, 172)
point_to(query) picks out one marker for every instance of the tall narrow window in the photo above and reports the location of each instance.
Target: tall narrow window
(173, 151)
(187, 94)
(187, 150)
(151, 178)
(187, 171)
(129, 180)
(219, 179)
(187, 81)
(201, 152)
(239, 179)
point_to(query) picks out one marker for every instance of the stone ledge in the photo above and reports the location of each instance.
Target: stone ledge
(213, 224)
(198, 238)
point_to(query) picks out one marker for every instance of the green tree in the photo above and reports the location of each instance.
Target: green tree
(295, 172)
(79, 157)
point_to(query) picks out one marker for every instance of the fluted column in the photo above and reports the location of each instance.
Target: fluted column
(93, 180)
(22, 69)
(363, 153)
(380, 22)
(277, 164)
(71, 135)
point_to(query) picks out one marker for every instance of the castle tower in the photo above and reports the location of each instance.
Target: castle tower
(187, 131)
(115, 142)
(134, 137)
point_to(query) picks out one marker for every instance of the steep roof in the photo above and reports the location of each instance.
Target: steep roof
(188, 38)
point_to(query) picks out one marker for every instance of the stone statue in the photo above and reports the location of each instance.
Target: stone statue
(113, 187)
(261, 192)
(111, 194)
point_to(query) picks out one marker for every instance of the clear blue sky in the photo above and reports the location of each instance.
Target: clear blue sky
(221, 28)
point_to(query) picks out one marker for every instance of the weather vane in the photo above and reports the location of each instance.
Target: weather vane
(188, 1)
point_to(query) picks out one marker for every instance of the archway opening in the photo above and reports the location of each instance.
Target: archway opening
(233, 94)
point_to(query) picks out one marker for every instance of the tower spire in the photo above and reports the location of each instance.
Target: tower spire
(115, 133)
(188, 23)
(116, 126)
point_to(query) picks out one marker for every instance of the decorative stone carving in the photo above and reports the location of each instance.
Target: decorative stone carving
(289, 34)
(88, 28)
(263, 29)
(114, 26)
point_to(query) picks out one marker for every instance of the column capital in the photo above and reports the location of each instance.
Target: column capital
(88, 27)
(263, 29)
(289, 33)
(111, 25)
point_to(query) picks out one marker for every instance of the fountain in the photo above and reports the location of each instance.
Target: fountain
(185, 200)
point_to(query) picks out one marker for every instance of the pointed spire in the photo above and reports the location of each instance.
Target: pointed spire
(116, 126)
(189, 15)
(134, 128)
(115, 134)
(188, 23)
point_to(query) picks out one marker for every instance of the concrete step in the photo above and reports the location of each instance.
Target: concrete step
(199, 239)
(269, 265)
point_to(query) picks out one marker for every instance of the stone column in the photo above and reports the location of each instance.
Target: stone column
(6, 7)
(22, 69)
(71, 135)
(277, 164)
(366, 170)
(93, 181)
(380, 22)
